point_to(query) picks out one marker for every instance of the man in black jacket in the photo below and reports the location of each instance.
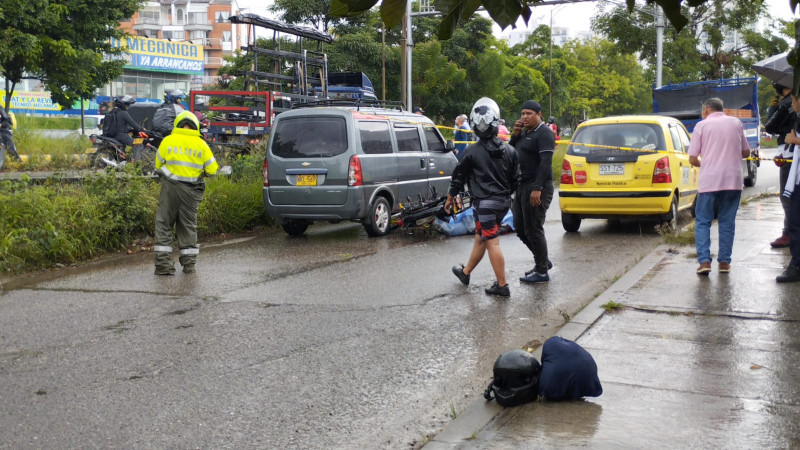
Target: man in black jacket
(6, 124)
(491, 169)
(117, 123)
(535, 144)
(780, 121)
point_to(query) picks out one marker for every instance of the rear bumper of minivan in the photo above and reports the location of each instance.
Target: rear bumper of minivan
(354, 208)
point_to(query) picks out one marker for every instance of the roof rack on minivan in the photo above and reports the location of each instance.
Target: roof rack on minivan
(357, 102)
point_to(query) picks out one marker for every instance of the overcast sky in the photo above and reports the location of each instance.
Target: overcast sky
(575, 16)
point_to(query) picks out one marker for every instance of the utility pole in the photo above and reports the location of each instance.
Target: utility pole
(659, 44)
(408, 47)
(403, 72)
(550, 85)
(383, 62)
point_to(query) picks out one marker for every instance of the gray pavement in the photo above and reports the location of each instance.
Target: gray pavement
(710, 362)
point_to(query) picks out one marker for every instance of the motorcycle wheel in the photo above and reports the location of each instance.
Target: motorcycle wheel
(100, 154)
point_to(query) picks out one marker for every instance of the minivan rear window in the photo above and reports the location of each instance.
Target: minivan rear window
(310, 137)
(602, 139)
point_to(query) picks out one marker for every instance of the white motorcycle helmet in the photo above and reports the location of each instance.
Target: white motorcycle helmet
(485, 118)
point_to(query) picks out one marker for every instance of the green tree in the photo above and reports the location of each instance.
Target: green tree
(537, 50)
(698, 51)
(63, 43)
(504, 12)
(607, 82)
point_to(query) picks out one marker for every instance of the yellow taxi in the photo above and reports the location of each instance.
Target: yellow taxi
(627, 167)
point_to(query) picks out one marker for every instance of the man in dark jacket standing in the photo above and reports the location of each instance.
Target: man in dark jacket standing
(780, 121)
(491, 169)
(535, 144)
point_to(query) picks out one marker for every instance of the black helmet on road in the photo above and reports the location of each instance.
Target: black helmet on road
(124, 101)
(516, 378)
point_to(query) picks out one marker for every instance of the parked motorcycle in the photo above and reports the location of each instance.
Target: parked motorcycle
(109, 152)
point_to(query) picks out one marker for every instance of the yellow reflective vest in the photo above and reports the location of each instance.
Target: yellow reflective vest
(184, 156)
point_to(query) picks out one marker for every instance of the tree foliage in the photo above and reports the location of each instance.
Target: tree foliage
(62, 43)
(699, 51)
(504, 12)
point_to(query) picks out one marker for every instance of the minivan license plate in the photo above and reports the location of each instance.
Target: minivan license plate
(612, 169)
(306, 180)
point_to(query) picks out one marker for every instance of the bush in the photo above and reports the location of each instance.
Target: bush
(46, 224)
(42, 225)
(558, 159)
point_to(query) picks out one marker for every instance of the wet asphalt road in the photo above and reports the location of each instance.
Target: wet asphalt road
(330, 340)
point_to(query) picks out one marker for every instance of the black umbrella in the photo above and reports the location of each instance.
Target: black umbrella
(776, 68)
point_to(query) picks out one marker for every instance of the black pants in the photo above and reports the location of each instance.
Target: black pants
(794, 226)
(785, 201)
(529, 223)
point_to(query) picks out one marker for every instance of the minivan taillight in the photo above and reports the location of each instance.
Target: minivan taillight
(265, 173)
(661, 173)
(354, 177)
(566, 173)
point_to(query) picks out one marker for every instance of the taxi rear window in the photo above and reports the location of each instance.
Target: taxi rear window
(310, 137)
(616, 138)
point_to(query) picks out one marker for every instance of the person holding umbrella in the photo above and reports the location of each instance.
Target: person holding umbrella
(791, 191)
(781, 122)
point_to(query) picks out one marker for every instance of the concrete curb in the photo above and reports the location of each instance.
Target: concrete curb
(477, 418)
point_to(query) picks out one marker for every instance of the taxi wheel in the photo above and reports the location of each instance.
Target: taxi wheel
(294, 227)
(671, 219)
(379, 219)
(571, 222)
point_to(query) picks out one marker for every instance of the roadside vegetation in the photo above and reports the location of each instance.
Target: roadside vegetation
(61, 223)
(46, 152)
(769, 143)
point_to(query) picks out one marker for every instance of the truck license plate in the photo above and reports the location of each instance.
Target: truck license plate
(612, 169)
(242, 130)
(306, 180)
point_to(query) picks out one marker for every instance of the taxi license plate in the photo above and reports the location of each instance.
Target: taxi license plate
(612, 169)
(138, 141)
(306, 180)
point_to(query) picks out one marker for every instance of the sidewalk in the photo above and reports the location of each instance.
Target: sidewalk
(710, 362)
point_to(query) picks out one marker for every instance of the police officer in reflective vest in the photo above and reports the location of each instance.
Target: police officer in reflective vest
(182, 161)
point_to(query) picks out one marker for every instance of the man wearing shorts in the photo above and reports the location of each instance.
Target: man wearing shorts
(491, 169)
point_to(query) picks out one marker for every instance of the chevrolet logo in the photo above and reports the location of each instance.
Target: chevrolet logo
(306, 164)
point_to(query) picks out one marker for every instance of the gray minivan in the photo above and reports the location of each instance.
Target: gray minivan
(348, 163)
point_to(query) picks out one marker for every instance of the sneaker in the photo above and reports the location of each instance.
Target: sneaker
(724, 267)
(165, 271)
(704, 268)
(549, 266)
(496, 289)
(535, 277)
(781, 242)
(459, 272)
(189, 268)
(790, 275)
